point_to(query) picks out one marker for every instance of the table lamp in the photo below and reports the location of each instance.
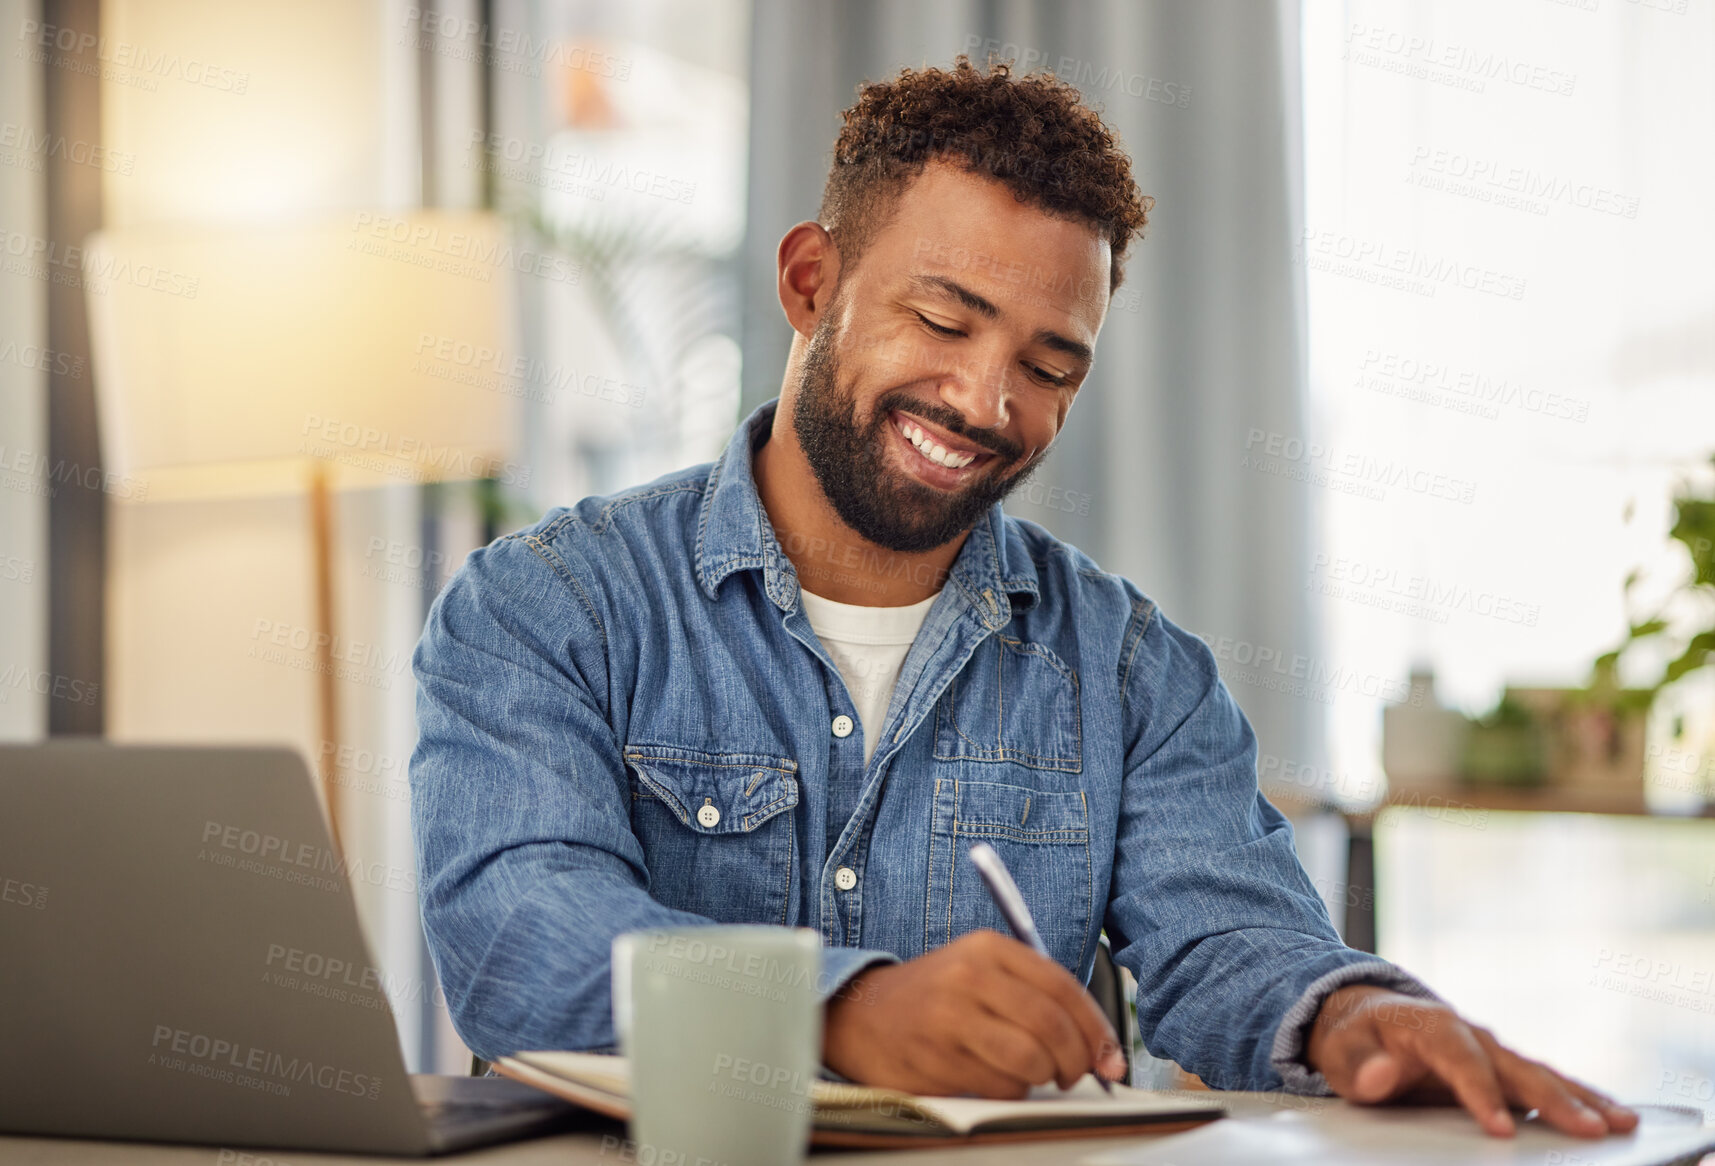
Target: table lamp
(335, 355)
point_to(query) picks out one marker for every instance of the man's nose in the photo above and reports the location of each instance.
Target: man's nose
(978, 391)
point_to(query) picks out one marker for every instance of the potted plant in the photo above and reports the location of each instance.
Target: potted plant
(1680, 627)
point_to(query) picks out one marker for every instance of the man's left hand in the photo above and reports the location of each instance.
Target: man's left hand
(1374, 1045)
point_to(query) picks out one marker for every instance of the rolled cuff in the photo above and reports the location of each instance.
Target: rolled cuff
(840, 965)
(1287, 1054)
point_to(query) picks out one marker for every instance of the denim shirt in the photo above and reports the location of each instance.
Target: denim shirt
(627, 722)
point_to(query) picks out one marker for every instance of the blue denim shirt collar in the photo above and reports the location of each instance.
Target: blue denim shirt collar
(734, 533)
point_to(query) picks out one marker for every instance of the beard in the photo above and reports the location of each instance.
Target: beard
(882, 504)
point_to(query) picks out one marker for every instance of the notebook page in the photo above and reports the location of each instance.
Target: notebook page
(1047, 1105)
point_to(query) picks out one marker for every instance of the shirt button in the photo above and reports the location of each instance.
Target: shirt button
(709, 816)
(845, 878)
(842, 726)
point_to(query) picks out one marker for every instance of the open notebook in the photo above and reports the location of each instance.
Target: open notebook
(858, 1115)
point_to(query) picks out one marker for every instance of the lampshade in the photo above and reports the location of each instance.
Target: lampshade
(374, 347)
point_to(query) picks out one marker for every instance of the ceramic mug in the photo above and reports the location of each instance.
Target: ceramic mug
(723, 1030)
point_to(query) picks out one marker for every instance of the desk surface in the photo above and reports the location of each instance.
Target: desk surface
(582, 1148)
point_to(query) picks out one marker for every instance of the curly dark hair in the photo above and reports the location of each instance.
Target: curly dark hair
(1032, 133)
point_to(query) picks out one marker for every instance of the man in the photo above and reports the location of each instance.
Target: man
(795, 686)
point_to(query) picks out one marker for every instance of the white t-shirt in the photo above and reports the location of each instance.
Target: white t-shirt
(868, 645)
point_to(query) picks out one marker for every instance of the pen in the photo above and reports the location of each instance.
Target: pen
(1013, 908)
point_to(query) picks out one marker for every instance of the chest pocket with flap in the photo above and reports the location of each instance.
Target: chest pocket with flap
(716, 830)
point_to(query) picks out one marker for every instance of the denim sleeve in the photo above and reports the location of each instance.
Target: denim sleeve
(520, 806)
(1230, 943)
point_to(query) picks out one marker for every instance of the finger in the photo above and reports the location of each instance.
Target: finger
(1454, 1054)
(1620, 1118)
(1534, 1087)
(1538, 1087)
(1059, 984)
(970, 1073)
(936, 1069)
(1356, 1064)
(1011, 1047)
(1039, 1021)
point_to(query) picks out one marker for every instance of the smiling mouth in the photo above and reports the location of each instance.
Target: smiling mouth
(934, 449)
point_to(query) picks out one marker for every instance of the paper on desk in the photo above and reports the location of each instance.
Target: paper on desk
(1347, 1135)
(841, 1104)
(1045, 1107)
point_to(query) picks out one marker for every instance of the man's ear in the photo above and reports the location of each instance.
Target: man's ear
(808, 264)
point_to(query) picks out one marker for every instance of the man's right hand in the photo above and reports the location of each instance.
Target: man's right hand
(984, 1015)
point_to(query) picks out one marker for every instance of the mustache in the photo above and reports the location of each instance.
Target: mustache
(949, 420)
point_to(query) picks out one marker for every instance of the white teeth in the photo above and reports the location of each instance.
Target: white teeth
(935, 452)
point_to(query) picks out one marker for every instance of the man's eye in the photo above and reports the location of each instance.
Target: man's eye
(1045, 376)
(937, 329)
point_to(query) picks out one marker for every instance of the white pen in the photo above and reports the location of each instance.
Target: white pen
(1013, 908)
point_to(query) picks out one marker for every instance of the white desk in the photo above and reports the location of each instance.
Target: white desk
(571, 1149)
(597, 1146)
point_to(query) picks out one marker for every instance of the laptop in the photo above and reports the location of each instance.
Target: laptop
(180, 961)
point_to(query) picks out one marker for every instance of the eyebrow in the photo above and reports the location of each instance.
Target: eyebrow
(938, 285)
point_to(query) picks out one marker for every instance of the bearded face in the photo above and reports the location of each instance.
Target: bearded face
(894, 482)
